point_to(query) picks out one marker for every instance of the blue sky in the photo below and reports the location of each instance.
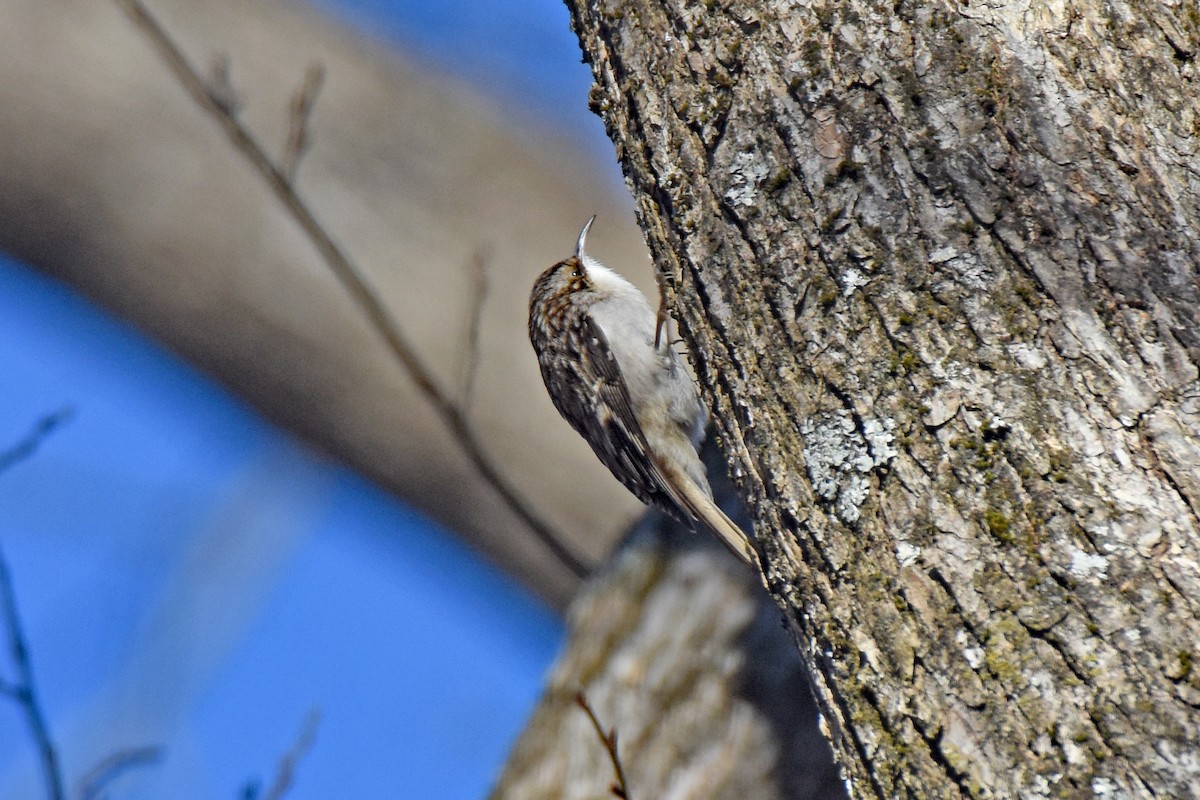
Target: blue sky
(193, 579)
(520, 53)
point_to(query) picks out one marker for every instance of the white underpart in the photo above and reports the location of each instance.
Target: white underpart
(657, 380)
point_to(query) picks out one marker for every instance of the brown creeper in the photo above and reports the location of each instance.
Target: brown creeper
(624, 391)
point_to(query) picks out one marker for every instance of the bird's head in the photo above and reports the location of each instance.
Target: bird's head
(568, 277)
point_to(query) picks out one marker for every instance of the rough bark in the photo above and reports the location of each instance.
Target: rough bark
(679, 650)
(112, 179)
(937, 268)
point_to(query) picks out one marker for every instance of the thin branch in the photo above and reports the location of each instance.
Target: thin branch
(619, 788)
(104, 773)
(23, 691)
(33, 440)
(301, 108)
(220, 84)
(352, 280)
(285, 774)
(479, 291)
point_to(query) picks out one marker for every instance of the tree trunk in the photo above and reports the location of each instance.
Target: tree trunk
(679, 650)
(937, 268)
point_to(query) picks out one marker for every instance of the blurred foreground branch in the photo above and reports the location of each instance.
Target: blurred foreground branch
(23, 691)
(479, 291)
(351, 278)
(104, 773)
(303, 102)
(677, 643)
(285, 773)
(26, 447)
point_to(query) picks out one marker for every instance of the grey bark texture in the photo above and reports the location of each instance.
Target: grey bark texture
(936, 265)
(679, 650)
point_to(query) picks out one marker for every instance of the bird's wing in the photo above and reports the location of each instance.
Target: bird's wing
(591, 394)
(594, 398)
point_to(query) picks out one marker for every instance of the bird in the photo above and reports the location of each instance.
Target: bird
(625, 390)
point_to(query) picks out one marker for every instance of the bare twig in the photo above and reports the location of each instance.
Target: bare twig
(99, 776)
(479, 290)
(352, 280)
(220, 84)
(23, 691)
(33, 440)
(619, 788)
(286, 772)
(300, 110)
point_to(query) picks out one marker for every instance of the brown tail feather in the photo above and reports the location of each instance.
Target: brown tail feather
(695, 501)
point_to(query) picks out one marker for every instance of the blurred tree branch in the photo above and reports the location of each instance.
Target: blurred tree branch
(285, 773)
(28, 445)
(479, 289)
(350, 276)
(677, 644)
(301, 109)
(23, 691)
(98, 777)
(140, 203)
